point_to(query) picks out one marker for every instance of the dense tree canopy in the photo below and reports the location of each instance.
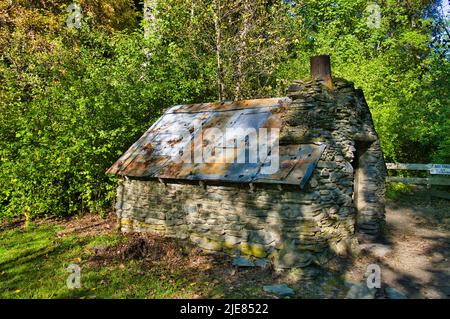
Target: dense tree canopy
(73, 99)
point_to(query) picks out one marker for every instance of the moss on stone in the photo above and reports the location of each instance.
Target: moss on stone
(256, 250)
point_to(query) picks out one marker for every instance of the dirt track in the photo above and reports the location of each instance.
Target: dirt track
(418, 232)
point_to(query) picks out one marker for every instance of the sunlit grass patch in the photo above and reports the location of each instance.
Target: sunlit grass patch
(33, 263)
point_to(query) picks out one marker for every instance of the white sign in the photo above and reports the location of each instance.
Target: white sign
(437, 169)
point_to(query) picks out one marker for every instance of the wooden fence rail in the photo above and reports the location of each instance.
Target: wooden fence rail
(438, 174)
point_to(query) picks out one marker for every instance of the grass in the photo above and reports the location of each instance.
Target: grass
(33, 263)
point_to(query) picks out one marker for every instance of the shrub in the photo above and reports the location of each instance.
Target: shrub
(68, 115)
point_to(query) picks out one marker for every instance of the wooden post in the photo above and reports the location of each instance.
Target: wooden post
(321, 69)
(429, 187)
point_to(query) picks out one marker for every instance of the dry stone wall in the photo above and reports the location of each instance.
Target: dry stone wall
(292, 228)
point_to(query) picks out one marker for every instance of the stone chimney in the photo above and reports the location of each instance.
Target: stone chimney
(321, 69)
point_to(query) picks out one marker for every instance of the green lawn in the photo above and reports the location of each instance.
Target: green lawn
(33, 264)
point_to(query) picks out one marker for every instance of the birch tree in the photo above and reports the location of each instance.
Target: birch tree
(150, 7)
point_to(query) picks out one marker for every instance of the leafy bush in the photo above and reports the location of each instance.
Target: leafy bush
(405, 79)
(73, 100)
(62, 126)
(396, 190)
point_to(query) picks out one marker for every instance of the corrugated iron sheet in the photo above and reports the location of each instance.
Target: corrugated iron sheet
(177, 133)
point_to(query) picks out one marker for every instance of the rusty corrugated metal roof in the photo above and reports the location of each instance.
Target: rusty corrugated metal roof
(166, 150)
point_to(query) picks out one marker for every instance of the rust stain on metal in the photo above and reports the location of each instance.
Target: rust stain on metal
(169, 147)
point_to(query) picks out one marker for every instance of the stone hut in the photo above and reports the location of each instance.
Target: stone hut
(326, 192)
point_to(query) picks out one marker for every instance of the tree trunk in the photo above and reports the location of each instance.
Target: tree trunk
(242, 47)
(149, 17)
(218, 25)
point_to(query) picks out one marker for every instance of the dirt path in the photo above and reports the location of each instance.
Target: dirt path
(418, 234)
(420, 263)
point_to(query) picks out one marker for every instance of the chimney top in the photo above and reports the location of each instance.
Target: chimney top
(321, 69)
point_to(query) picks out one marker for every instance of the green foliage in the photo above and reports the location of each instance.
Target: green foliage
(405, 81)
(396, 190)
(73, 100)
(68, 112)
(240, 41)
(33, 264)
